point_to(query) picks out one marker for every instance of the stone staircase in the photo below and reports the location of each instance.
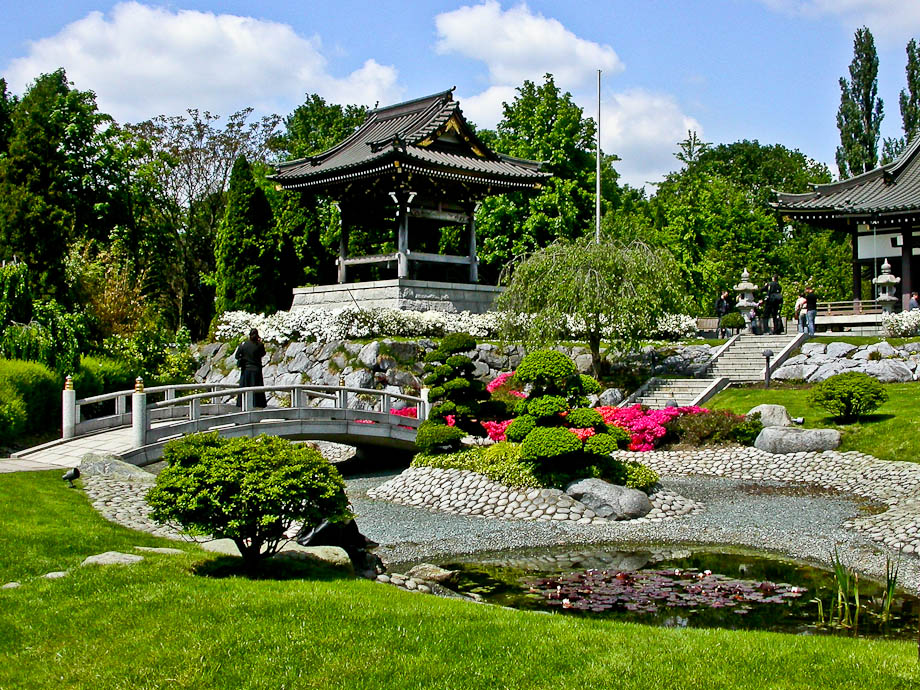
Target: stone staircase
(740, 360)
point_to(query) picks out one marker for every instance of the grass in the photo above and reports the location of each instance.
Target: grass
(892, 432)
(164, 623)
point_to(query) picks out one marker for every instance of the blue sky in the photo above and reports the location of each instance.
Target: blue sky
(730, 69)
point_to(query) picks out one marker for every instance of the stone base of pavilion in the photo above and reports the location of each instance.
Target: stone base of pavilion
(399, 293)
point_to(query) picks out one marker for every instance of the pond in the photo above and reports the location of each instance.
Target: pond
(690, 587)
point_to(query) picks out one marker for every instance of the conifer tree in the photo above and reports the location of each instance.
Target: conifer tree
(246, 251)
(910, 99)
(860, 114)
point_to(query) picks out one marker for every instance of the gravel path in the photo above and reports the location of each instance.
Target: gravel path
(801, 522)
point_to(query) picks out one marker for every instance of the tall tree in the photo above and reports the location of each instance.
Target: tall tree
(315, 126)
(859, 116)
(7, 103)
(57, 179)
(910, 98)
(246, 248)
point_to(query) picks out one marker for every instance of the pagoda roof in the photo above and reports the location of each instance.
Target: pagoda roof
(426, 135)
(888, 190)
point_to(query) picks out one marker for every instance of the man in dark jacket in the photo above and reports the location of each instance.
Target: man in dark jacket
(772, 303)
(723, 307)
(249, 357)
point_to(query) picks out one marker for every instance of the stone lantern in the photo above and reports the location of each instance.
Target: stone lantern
(746, 298)
(885, 287)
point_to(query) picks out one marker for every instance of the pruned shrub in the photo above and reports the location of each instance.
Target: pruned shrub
(520, 427)
(848, 396)
(548, 443)
(453, 384)
(38, 388)
(250, 490)
(432, 437)
(600, 444)
(733, 320)
(639, 476)
(619, 434)
(13, 416)
(500, 462)
(546, 406)
(548, 371)
(584, 417)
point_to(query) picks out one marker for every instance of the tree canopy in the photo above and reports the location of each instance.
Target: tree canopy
(859, 117)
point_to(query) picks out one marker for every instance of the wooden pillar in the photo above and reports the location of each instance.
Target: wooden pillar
(403, 199)
(907, 253)
(343, 241)
(474, 259)
(857, 271)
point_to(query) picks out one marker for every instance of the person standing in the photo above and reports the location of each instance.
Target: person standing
(772, 303)
(249, 357)
(811, 309)
(914, 302)
(799, 312)
(723, 307)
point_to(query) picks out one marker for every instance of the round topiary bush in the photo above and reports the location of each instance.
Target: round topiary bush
(549, 442)
(584, 418)
(548, 371)
(848, 396)
(546, 406)
(733, 320)
(434, 438)
(519, 428)
(457, 342)
(600, 444)
(620, 435)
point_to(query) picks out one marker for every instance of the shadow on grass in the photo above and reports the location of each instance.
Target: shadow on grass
(270, 569)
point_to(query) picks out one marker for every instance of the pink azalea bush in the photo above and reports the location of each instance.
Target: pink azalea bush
(582, 434)
(500, 381)
(406, 412)
(496, 430)
(646, 427)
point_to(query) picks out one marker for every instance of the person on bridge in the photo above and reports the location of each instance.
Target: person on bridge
(249, 357)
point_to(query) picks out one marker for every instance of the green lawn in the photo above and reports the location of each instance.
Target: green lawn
(158, 624)
(892, 432)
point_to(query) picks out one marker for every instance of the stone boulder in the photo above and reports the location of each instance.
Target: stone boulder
(331, 556)
(93, 464)
(610, 397)
(889, 370)
(772, 415)
(811, 349)
(840, 349)
(433, 573)
(112, 558)
(794, 372)
(609, 500)
(782, 440)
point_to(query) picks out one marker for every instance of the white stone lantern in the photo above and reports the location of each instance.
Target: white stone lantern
(885, 287)
(746, 299)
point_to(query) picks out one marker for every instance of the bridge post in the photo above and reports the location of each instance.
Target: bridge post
(139, 414)
(194, 409)
(342, 394)
(386, 403)
(424, 407)
(68, 409)
(247, 401)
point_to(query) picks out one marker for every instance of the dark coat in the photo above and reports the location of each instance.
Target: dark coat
(249, 357)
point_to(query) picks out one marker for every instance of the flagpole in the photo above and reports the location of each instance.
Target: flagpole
(597, 191)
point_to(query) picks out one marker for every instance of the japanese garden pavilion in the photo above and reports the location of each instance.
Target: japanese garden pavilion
(415, 165)
(881, 211)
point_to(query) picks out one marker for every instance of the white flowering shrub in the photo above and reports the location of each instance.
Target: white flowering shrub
(341, 324)
(901, 325)
(674, 327)
(351, 322)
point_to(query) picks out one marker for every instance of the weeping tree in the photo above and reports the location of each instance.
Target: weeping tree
(597, 291)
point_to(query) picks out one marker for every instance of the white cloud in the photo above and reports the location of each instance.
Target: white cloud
(643, 128)
(485, 109)
(517, 44)
(144, 61)
(892, 20)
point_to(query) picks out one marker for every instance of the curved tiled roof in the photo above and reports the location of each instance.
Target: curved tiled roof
(404, 133)
(890, 188)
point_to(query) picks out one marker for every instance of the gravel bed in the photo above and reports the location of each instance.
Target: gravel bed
(800, 522)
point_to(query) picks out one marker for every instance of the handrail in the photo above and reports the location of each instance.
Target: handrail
(236, 391)
(155, 389)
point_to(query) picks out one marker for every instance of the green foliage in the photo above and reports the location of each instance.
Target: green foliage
(584, 417)
(639, 476)
(155, 353)
(453, 343)
(500, 462)
(250, 490)
(601, 444)
(15, 297)
(549, 371)
(519, 428)
(712, 427)
(621, 436)
(909, 100)
(848, 396)
(100, 374)
(589, 385)
(37, 390)
(13, 414)
(549, 443)
(433, 438)
(859, 116)
(733, 319)
(53, 337)
(315, 126)
(746, 432)
(547, 406)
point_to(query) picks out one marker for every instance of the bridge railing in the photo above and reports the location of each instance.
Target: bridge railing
(228, 404)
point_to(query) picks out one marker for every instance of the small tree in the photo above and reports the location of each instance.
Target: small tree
(250, 490)
(591, 290)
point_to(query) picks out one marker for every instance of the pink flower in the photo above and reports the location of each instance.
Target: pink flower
(583, 434)
(498, 381)
(646, 427)
(406, 412)
(450, 420)
(496, 430)
(365, 421)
